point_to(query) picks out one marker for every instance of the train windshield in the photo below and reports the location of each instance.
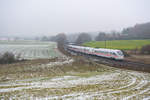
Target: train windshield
(120, 53)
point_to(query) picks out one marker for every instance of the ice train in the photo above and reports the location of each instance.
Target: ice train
(107, 53)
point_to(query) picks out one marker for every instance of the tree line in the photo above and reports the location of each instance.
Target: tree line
(139, 31)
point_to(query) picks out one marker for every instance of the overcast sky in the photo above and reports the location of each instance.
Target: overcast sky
(43, 17)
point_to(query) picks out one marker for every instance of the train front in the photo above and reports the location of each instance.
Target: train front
(120, 55)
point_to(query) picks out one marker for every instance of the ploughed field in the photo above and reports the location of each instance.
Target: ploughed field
(118, 44)
(30, 49)
(71, 79)
(64, 78)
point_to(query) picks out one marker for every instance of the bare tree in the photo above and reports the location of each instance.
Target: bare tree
(139, 31)
(145, 49)
(101, 36)
(83, 37)
(61, 38)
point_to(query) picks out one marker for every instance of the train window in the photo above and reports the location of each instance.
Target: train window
(120, 53)
(100, 51)
(105, 52)
(114, 53)
(111, 53)
(97, 51)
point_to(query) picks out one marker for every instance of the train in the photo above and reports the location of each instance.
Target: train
(101, 52)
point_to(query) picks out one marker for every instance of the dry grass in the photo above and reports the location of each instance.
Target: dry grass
(30, 69)
(140, 58)
(85, 79)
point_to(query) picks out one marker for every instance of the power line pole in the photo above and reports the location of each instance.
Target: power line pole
(105, 43)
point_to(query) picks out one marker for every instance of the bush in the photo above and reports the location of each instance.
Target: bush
(145, 49)
(7, 58)
(125, 53)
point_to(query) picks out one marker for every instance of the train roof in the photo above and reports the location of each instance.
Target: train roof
(96, 48)
(103, 49)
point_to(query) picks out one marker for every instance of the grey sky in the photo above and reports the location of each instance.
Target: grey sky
(42, 17)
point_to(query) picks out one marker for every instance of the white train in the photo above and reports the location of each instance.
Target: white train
(108, 53)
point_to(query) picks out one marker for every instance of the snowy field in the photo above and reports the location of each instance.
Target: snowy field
(31, 50)
(105, 83)
(66, 78)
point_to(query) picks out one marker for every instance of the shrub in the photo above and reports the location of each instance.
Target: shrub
(145, 49)
(125, 53)
(7, 58)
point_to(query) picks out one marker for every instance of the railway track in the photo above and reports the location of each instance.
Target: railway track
(126, 64)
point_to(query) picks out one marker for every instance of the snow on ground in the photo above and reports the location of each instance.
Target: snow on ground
(61, 82)
(62, 61)
(136, 84)
(116, 84)
(32, 50)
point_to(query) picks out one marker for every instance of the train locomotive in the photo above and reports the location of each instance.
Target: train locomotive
(107, 53)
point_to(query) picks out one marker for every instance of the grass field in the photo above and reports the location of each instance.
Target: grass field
(118, 44)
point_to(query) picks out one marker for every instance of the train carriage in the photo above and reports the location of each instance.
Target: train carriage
(107, 53)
